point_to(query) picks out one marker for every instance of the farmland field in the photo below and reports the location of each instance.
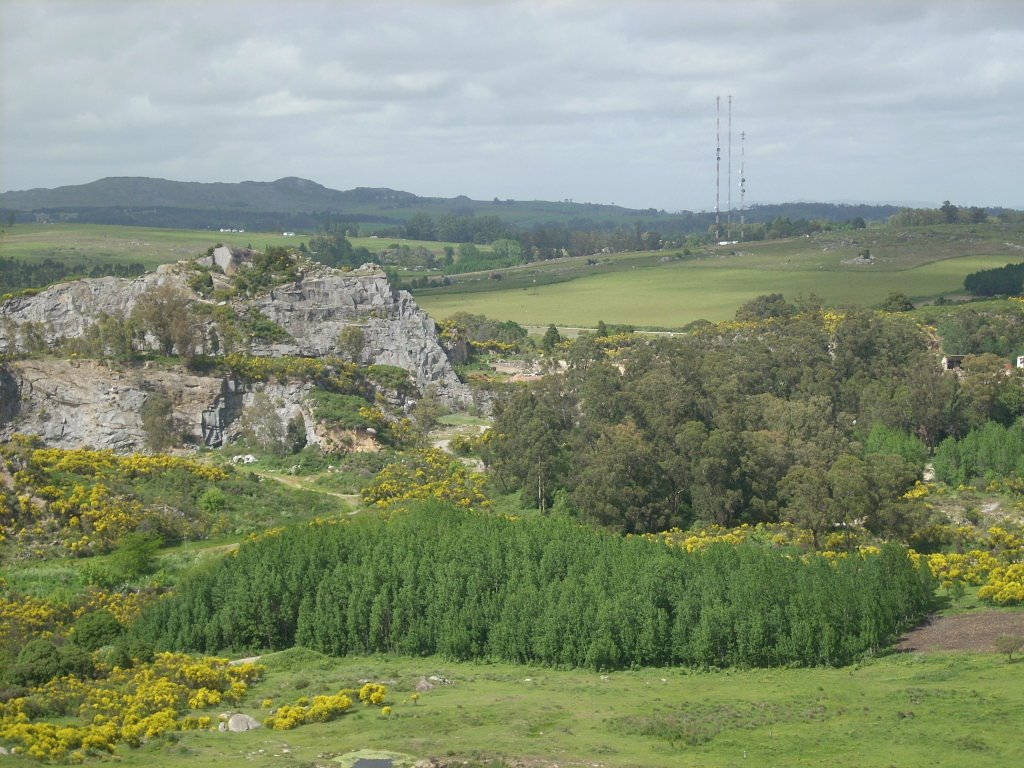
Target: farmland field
(670, 290)
(940, 709)
(99, 243)
(659, 289)
(676, 293)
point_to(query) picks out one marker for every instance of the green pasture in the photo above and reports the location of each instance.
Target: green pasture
(377, 244)
(899, 710)
(671, 289)
(661, 289)
(100, 243)
(675, 293)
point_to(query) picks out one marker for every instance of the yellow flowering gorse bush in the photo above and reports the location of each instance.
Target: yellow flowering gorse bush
(321, 709)
(426, 474)
(124, 705)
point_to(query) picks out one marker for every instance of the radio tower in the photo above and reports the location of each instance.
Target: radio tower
(728, 218)
(743, 183)
(718, 166)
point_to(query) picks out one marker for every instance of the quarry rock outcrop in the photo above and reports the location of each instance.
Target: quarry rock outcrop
(72, 402)
(66, 310)
(77, 403)
(395, 331)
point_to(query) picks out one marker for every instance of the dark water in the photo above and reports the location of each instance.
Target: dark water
(384, 762)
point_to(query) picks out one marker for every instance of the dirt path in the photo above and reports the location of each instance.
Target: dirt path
(294, 482)
(972, 631)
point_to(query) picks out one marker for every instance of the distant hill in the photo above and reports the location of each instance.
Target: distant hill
(299, 203)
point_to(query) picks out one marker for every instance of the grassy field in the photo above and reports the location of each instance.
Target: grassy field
(96, 243)
(675, 293)
(663, 289)
(670, 290)
(900, 710)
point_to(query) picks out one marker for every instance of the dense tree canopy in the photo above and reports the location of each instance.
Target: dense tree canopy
(778, 417)
(544, 589)
(1006, 281)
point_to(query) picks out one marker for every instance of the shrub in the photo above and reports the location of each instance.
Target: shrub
(136, 555)
(158, 422)
(96, 629)
(37, 662)
(373, 693)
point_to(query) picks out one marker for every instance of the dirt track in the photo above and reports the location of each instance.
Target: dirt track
(972, 631)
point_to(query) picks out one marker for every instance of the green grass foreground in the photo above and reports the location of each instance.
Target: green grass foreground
(898, 710)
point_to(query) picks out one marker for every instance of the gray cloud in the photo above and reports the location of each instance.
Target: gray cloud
(595, 101)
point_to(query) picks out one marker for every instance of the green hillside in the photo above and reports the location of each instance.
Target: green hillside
(295, 203)
(669, 290)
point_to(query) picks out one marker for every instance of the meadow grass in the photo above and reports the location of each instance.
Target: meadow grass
(672, 294)
(898, 710)
(151, 246)
(101, 243)
(671, 289)
(377, 244)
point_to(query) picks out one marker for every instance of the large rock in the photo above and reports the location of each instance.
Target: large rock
(239, 723)
(74, 403)
(65, 310)
(313, 310)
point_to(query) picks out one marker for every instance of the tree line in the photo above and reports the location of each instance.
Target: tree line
(18, 274)
(540, 589)
(1000, 281)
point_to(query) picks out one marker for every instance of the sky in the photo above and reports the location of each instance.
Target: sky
(901, 101)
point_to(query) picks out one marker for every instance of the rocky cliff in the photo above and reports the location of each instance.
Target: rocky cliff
(74, 403)
(64, 311)
(81, 402)
(395, 331)
(313, 310)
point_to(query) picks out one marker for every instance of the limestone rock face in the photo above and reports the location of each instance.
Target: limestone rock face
(65, 310)
(314, 311)
(71, 403)
(75, 403)
(396, 331)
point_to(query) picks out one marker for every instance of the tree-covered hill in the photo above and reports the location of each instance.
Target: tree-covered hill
(299, 203)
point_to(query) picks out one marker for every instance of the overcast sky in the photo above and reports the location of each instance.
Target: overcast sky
(896, 101)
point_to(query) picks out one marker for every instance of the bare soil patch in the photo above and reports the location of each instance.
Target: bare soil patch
(972, 631)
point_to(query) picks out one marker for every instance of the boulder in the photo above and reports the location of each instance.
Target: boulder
(239, 723)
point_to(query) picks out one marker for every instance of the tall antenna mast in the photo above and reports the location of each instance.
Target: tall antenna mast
(728, 226)
(718, 166)
(743, 184)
